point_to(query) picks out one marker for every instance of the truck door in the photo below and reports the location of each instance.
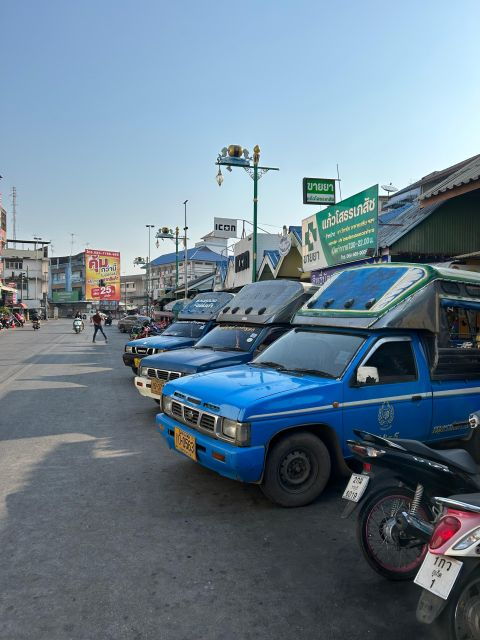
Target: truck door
(399, 404)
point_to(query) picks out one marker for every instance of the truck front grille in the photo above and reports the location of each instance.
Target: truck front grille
(194, 418)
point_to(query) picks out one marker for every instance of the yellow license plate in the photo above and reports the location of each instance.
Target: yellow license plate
(185, 443)
(136, 362)
(156, 386)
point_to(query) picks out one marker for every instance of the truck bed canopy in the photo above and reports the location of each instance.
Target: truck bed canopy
(205, 306)
(400, 296)
(266, 302)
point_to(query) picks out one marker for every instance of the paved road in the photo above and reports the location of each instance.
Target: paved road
(106, 535)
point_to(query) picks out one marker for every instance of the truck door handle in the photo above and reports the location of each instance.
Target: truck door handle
(416, 398)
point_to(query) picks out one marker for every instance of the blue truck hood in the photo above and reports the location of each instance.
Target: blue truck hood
(248, 392)
(163, 342)
(193, 360)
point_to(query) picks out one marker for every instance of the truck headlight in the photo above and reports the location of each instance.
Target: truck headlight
(239, 432)
(128, 349)
(144, 372)
(159, 350)
(166, 404)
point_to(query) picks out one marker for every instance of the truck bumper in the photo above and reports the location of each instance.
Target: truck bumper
(143, 386)
(239, 463)
(128, 359)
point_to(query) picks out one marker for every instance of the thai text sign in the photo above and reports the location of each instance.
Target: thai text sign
(318, 191)
(102, 275)
(65, 296)
(342, 233)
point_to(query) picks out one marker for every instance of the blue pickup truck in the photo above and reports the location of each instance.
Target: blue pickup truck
(243, 331)
(195, 320)
(392, 348)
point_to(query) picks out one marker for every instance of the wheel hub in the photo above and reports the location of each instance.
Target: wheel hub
(472, 617)
(390, 531)
(295, 468)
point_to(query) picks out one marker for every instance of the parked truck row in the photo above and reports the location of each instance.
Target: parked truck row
(268, 385)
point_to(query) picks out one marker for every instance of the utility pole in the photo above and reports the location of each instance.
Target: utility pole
(176, 256)
(186, 252)
(14, 215)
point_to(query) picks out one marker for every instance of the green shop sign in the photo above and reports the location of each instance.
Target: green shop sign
(342, 233)
(65, 296)
(318, 191)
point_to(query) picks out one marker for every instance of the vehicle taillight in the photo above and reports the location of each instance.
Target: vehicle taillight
(367, 467)
(366, 452)
(445, 529)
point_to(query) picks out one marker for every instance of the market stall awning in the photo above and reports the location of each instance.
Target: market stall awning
(8, 289)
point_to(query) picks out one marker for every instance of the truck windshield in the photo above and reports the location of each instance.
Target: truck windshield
(303, 351)
(185, 329)
(229, 339)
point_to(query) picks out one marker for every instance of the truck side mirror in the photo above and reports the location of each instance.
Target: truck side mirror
(367, 375)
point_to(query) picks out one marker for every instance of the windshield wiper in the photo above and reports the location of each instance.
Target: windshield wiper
(272, 365)
(227, 349)
(315, 372)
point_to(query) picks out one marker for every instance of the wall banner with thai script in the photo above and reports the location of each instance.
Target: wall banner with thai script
(102, 275)
(345, 232)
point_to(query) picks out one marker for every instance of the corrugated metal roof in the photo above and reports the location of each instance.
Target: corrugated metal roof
(196, 253)
(464, 175)
(297, 232)
(273, 255)
(407, 220)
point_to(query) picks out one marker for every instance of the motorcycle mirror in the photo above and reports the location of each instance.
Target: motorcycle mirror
(367, 375)
(474, 420)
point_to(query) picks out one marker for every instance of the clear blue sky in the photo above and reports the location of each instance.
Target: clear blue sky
(112, 113)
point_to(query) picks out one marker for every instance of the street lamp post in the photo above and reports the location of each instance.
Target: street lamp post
(165, 232)
(185, 229)
(149, 269)
(232, 157)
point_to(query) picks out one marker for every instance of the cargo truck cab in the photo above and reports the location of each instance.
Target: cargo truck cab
(195, 320)
(243, 331)
(393, 349)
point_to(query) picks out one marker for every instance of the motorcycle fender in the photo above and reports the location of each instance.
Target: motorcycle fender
(429, 607)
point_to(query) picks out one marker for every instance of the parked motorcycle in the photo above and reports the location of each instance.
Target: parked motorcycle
(450, 573)
(78, 325)
(402, 477)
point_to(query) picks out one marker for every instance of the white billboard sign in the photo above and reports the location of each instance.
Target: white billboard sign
(225, 228)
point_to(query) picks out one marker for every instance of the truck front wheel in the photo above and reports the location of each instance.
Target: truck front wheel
(296, 470)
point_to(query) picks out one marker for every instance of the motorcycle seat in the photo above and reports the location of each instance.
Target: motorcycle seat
(468, 498)
(458, 457)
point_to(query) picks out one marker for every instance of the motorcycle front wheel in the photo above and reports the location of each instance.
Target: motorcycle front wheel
(460, 620)
(390, 552)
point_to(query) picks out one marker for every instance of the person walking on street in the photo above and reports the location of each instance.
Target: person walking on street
(97, 323)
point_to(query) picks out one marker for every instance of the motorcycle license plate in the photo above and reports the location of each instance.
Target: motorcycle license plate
(156, 386)
(438, 574)
(136, 362)
(185, 443)
(356, 487)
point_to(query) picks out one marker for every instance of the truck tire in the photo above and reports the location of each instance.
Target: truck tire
(297, 469)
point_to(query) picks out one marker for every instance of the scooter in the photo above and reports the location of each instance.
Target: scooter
(78, 325)
(450, 573)
(396, 490)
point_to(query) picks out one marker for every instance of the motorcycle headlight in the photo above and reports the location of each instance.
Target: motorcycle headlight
(128, 349)
(239, 432)
(166, 404)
